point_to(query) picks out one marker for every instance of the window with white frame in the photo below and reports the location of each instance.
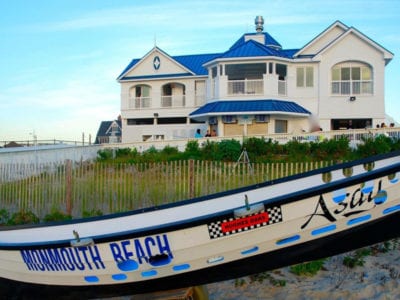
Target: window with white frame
(351, 79)
(140, 96)
(304, 76)
(281, 126)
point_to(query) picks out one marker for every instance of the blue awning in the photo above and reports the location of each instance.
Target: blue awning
(249, 107)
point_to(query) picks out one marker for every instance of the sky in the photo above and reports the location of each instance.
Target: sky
(59, 59)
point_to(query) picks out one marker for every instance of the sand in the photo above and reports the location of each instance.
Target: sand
(377, 278)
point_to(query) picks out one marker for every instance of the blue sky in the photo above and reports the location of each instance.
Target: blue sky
(59, 59)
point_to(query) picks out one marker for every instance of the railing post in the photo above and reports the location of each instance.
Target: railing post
(68, 186)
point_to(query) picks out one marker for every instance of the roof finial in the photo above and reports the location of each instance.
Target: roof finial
(259, 21)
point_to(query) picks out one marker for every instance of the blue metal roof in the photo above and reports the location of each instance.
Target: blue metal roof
(252, 48)
(243, 106)
(240, 48)
(269, 41)
(195, 62)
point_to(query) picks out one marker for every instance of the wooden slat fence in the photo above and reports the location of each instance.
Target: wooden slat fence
(75, 188)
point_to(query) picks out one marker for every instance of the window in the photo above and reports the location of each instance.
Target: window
(245, 71)
(280, 126)
(305, 77)
(270, 68)
(281, 71)
(229, 119)
(139, 96)
(351, 79)
(261, 118)
(214, 72)
(143, 121)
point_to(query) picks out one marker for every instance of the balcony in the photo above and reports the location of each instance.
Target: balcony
(245, 87)
(173, 101)
(139, 102)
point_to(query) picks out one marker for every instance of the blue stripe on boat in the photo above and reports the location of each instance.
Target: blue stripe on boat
(288, 240)
(359, 220)
(181, 267)
(391, 209)
(92, 279)
(323, 229)
(248, 251)
(119, 277)
(149, 273)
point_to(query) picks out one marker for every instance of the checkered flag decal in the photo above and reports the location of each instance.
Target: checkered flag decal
(219, 228)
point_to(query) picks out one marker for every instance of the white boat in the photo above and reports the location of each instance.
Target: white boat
(211, 238)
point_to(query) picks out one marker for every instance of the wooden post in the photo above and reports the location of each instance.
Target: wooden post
(68, 186)
(191, 178)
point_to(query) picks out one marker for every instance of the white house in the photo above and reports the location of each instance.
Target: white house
(336, 81)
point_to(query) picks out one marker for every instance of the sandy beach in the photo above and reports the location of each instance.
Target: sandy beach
(377, 278)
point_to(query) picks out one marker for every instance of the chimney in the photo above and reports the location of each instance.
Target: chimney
(259, 22)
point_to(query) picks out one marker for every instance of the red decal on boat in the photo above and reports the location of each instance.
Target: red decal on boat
(244, 222)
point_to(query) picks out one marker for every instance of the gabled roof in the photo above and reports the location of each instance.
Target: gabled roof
(192, 63)
(340, 36)
(105, 129)
(386, 53)
(241, 107)
(336, 24)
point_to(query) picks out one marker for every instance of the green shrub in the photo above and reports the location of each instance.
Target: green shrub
(104, 154)
(297, 151)
(23, 217)
(255, 146)
(229, 150)
(372, 146)
(260, 277)
(56, 216)
(92, 213)
(309, 268)
(4, 217)
(209, 151)
(357, 258)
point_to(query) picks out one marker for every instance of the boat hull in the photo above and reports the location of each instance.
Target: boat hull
(368, 234)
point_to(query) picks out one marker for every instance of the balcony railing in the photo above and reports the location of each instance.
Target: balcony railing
(140, 102)
(173, 101)
(245, 87)
(355, 87)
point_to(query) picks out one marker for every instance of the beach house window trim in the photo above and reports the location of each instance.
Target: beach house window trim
(305, 76)
(352, 78)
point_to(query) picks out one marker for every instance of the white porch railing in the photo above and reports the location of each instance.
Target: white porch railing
(173, 101)
(139, 102)
(355, 137)
(245, 87)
